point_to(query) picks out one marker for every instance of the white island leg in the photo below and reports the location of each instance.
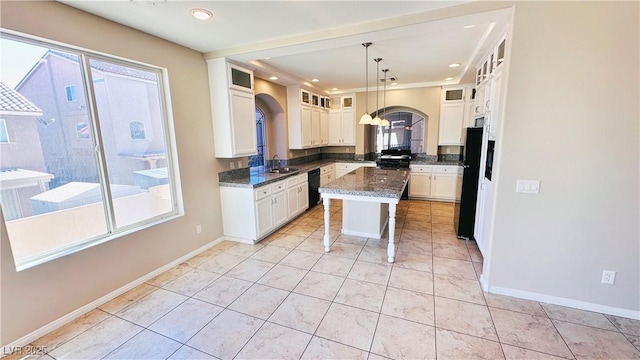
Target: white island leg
(327, 223)
(391, 249)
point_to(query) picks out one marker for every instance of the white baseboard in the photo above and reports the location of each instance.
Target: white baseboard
(27, 339)
(582, 305)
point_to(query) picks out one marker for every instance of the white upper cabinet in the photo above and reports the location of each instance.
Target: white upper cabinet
(342, 122)
(232, 109)
(454, 113)
(308, 118)
(489, 93)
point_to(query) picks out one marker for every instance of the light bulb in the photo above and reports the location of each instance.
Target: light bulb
(376, 121)
(384, 122)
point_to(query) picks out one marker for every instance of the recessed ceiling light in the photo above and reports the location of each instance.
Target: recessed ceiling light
(449, 78)
(201, 14)
(394, 83)
(334, 89)
(454, 65)
(273, 78)
(314, 80)
(468, 26)
(268, 58)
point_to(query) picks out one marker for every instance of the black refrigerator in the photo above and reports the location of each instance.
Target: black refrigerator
(465, 209)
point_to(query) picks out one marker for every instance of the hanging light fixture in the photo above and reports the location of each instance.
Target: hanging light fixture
(376, 120)
(365, 119)
(384, 121)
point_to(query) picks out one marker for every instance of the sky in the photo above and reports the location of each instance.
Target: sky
(16, 59)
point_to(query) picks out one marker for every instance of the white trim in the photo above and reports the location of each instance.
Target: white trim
(27, 339)
(363, 234)
(577, 304)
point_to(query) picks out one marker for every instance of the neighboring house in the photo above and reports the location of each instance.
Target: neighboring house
(132, 134)
(22, 166)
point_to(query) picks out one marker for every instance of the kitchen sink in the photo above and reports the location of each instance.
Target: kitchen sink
(284, 170)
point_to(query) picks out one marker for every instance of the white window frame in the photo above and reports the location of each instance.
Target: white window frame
(113, 232)
(3, 126)
(73, 93)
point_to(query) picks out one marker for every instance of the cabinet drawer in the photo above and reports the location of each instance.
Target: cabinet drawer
(342, 167)
(303, 178)
(262, 192)
(279, 186)
(326, 169)
(445, 169)
(292, 181)
(420, 169)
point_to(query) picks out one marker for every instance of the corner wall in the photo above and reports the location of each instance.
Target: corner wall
(571, 121)
(35, 297)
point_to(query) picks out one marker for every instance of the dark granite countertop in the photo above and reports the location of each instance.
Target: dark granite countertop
(260, 176)
(370, 181)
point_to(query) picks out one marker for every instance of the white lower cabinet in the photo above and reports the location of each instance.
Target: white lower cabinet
(298, 195)
(420, 182)
(327, 174)
(434, 182)
(249, 214)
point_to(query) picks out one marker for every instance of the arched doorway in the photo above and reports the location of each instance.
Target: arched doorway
(407, 130)
(259, 159)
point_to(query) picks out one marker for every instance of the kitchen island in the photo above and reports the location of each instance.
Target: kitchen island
(368, 194)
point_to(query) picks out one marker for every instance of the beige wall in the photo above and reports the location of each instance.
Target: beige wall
(571, 121)
(426, 100)
(35, 297)
(273, 97)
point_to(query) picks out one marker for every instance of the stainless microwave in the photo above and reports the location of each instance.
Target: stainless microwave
(479, 122)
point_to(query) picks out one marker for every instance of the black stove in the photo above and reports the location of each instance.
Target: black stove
(395, 159)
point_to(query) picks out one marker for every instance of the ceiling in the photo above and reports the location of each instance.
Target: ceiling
(303, 40)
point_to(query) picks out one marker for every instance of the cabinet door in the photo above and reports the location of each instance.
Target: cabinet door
(305, 118)
(324, 127)
(420, 185)
(478, 104)
(451, 119)
(496, 88)
(292, 200)
(264, 216)
(315, 127)
(335, 127)
(303, 196)
(243, 115)
(444, 186)
(280, 208)
(348, 128)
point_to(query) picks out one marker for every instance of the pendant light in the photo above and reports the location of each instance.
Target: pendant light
(366, 118)
(376, 120)
(384, 121)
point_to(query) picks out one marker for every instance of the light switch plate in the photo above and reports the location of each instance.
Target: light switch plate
(528, 186)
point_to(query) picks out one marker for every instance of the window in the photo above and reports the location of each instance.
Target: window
(4, 134)
(72, 94)
(67, 195)
(406, 132)
(82, 130)
(137, 130)
(258, 159)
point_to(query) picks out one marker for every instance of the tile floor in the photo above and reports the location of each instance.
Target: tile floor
(284, 298)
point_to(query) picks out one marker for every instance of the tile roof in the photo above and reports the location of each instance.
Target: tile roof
(109, 67)
(12, 101)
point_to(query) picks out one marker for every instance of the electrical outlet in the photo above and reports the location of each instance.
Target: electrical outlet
(448, 151)
(239, 164)
(232, 165)
(198, 229)
(346, 149)
(306, 152)
(608, 277)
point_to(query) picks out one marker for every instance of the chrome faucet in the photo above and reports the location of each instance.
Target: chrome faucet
(276, 165)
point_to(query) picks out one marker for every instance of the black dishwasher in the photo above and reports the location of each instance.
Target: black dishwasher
(314, 184)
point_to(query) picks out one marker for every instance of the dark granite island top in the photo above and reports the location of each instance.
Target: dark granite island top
(370, 181)
(368, 194)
